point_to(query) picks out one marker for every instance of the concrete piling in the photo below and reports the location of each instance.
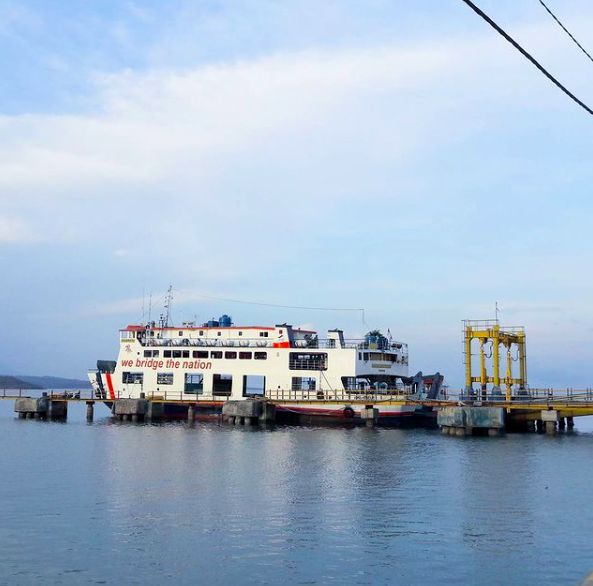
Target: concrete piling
(90, 411)
(570, 423)
(191, 416)
(550, 420)
(370, 415)
(248, 412)
(462, 421)
(130, 409)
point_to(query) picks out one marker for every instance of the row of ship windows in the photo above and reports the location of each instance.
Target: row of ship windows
(205, 354)
(195, 381)
(381, 357)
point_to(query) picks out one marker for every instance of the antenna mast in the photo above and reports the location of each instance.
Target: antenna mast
(168, 301)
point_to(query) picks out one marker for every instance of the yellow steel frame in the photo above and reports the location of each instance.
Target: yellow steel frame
(509, 338)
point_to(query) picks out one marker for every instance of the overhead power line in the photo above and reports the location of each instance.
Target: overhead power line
(565, 30)
(525, 54)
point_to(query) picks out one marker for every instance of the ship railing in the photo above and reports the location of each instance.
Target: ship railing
(312, 344)
(526, 396)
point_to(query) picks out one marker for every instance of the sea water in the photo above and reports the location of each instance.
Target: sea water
(122, 503)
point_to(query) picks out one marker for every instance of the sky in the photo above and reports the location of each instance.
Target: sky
(394, 156)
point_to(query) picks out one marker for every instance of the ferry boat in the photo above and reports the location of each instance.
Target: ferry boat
(308, 377)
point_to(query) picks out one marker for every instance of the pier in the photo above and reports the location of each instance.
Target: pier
(544, 410)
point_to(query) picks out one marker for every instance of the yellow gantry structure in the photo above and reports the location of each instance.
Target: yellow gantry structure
(491, 337)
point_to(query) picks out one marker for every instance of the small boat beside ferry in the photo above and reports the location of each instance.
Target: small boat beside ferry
(308, 377)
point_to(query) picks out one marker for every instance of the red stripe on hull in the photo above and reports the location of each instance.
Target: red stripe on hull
(110, 385)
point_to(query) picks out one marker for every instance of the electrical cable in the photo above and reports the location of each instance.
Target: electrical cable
(277, 305)
(523, 52)
(565, 30)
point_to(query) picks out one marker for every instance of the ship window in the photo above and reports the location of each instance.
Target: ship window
(194, 383)
(218, 333)
(151, 353)
(245, 355)
(200, 353)
(365, 356)
(215, 354)
(307, 361)
(303, 383)
(167, 353)
(360, 355)
(263, 334)
(351, 383)
(260, 355)
(132, 378)
(240, 333)
(201, 333)
(230, 355)
(380, 356)
(181, 333)
(185, 354)
(164, 378)
(254, 385)
(176, 353)
(222, 384)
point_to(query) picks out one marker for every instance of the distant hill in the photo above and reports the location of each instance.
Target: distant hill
(12, 382)
(50, 382)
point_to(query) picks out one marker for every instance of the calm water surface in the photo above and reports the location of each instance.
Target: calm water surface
(113, 503)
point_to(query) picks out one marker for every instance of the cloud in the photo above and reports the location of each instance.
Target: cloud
(16, 231)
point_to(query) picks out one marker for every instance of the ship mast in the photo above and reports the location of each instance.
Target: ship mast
(166, 317)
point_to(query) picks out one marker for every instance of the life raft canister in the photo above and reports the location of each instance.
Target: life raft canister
(348, 413)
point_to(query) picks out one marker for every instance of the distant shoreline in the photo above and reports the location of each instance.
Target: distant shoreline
(27, 382)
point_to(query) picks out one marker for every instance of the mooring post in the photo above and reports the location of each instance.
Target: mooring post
(90, 410)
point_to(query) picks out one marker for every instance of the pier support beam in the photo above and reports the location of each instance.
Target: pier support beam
(191, 415)
(248, 412)
(461, 421)
(90, 411)
(570, 423)
(57, 409)
(27, 407)
(370, 415)
(550, 420)
(130, 409)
